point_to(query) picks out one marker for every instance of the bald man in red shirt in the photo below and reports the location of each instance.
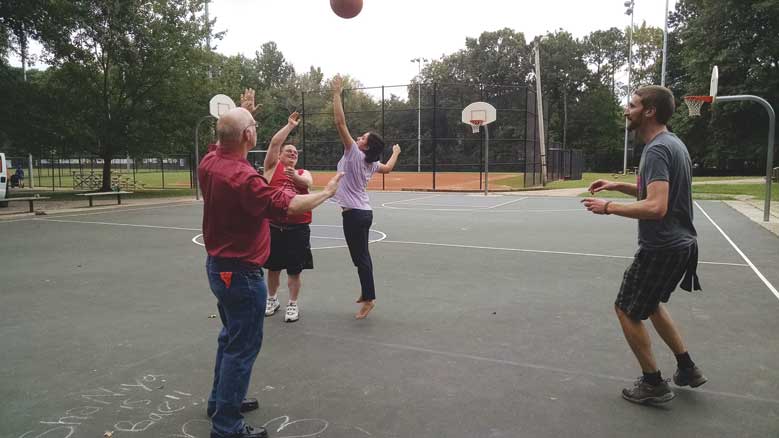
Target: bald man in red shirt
(238, 204)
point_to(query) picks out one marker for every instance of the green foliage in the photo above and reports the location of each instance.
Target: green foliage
(739, 36)
(134, 76)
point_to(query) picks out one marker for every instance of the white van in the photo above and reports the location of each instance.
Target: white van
(4, 183)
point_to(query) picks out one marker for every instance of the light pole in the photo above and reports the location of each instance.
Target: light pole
(419, 62)
(630, 5)
(540, 108)
(665, 45)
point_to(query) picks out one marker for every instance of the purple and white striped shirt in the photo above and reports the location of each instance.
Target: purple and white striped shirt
(352, 190)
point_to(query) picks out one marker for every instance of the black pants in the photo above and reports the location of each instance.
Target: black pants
(357, 224)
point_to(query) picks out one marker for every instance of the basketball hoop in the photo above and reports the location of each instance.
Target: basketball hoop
(475, 124)
(694, 104)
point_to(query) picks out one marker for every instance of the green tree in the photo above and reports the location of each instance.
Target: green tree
(125, 71)
(606, 51)
(740, 37)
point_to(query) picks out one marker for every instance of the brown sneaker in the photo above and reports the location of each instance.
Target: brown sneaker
(644, 393)
(692, 377)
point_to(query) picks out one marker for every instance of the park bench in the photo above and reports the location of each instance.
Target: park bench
(117, 194)
(29, 199)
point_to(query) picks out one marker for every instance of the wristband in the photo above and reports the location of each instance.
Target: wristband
(606, 207)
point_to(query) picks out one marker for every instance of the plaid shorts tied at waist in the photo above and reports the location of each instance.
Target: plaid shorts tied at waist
(653, 276)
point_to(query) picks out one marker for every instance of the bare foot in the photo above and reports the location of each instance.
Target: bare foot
(367, 306)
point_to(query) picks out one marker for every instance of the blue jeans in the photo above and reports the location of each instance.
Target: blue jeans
(241, 305)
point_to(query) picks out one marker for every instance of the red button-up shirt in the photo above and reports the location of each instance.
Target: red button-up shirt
(238, 204)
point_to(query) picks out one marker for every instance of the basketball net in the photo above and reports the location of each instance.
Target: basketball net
(694, 104)
(475, 124)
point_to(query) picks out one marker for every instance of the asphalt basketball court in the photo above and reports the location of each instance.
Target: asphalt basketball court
(493, 318)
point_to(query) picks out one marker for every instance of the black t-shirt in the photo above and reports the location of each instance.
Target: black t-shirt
(665, 158)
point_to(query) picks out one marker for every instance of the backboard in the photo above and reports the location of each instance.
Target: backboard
(478, 114)
(714, 84)
(220, 104)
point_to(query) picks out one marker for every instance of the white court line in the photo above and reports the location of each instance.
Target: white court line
(487, 209)
(119, 224)
(738, 250)
(538, 251)
(413, 204)
(407, 200)
(106, 211)
(442, 205)
(509, 202)
(383, 236)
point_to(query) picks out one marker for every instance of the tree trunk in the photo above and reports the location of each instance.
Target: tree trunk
(106, 155)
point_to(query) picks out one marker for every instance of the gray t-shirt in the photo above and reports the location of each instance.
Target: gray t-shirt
(665, 158)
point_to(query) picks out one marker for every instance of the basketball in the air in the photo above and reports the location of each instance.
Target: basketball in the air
(346, 8)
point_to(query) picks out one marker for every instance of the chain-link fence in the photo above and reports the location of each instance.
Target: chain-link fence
(439, 152)
(86, 173)
(435, 142)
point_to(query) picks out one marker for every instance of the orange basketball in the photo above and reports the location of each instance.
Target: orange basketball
(346, 8)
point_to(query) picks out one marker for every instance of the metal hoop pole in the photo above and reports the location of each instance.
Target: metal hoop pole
(770, 155)
(486, 159)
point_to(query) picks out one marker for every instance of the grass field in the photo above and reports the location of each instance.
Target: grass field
(177, 183)
(145, 179)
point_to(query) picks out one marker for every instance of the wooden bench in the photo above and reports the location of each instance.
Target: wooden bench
(29, 199)
(118, 196)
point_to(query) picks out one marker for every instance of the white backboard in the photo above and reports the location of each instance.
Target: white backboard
(482, 112)
(714, 82)
(220, 104)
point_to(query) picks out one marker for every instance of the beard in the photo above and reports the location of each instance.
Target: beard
(633, 124)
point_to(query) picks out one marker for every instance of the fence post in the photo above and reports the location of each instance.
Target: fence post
(303, 128)
(51, 169)
(482, 166)
(162, 168)
(32, 176)
(435, 134)
(382, 131)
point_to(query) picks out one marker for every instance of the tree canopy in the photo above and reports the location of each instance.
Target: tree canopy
(134, 76)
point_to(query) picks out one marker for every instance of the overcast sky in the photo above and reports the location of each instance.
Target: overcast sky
(376, 46)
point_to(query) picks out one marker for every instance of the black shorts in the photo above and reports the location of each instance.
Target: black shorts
(652, 277)
(290, 249)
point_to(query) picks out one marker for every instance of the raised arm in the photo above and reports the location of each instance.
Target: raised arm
(247, 102)
(387, 168)
(338, 113)
(274, 148)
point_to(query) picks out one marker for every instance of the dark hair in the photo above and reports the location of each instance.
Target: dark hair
(659, 98)
(375, 148)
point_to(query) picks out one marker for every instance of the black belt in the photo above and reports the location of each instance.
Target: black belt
(285, 227)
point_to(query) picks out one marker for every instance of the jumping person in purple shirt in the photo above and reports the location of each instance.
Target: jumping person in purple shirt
(359, 162)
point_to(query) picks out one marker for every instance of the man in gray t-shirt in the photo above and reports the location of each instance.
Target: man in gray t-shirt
(667, 244)
(665, 158)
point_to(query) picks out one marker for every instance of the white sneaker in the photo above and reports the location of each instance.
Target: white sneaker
(292, 313)
(271, 306)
